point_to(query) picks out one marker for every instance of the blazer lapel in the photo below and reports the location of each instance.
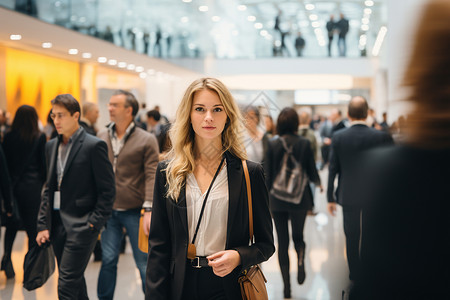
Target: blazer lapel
(235, 171)
(182, 209)
(74, 150)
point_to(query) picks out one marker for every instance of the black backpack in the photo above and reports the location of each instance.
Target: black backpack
(291, 180)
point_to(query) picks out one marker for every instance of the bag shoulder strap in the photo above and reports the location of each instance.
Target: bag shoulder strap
(249, 198)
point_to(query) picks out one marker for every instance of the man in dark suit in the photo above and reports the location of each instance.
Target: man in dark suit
(77, 198)
(346, 146)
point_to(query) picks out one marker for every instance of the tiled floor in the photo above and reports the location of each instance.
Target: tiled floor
(326, 268)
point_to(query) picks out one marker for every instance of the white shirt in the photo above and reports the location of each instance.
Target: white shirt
(212, 233)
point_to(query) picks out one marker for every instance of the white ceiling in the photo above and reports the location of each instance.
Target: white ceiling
(223, 31)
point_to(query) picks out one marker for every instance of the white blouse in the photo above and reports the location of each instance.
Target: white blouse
(212, 233)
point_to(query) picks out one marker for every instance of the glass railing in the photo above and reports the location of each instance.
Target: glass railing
(224, 29)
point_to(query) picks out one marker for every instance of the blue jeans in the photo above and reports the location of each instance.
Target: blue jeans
(111, 239)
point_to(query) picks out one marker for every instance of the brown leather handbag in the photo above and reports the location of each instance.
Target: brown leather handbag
(252, 281)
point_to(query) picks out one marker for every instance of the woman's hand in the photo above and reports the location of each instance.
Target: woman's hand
(224, 262)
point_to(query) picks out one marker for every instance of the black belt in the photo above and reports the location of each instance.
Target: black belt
(199, 262)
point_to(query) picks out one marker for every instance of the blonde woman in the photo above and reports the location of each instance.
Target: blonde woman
(207, 148)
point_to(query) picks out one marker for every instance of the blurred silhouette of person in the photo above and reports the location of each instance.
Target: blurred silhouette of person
(255, 141)
(278, 21)
(331, 27)
(27, 7)
(347, 146)
(384, 124)
(325, 131)
(406, 229)
(4, 126)
(49, 128)
(157, 45)
(343, 26)
(108, 35)
(89, 118)
(24, 147)
(299, 44)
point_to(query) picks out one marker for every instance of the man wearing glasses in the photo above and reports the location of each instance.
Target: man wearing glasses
(77, 198)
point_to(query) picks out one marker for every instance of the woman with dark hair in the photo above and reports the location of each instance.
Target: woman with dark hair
(24, 148)
(283, 211)
(406, 228)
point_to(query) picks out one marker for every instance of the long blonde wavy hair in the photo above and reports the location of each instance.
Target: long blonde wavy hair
(181, 156)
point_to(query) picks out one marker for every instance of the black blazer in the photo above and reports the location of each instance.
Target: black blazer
(168, 238)
(87, 188)
(5, 186)
(273, 160)
(346, 147)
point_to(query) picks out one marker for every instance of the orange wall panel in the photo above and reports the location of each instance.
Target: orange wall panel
(36, 79)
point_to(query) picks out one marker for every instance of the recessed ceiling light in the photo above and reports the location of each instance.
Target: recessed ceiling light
(187, 1)
(203, 8)
(131, 67)
(309, 6)
(263, 32)
(102, 59)
(86, 55)
(368, 3)
(367, 11)
(365, 27)
(73, 51)
(216, 18)
(315, 24)
(112, 62)
(139, 69)
(15, 37)
(47, 45)
(242, 7)
(122, 64)
(151, 72)
(143, 75)
(251, 18)
(313, 17)
(258, 25)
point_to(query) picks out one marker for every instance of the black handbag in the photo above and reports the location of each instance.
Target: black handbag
(38, 266)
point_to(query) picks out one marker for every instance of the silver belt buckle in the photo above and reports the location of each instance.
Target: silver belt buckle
(198, 262)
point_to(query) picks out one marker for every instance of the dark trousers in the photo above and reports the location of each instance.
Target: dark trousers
(352, 230)
(202, 284)
(72, 254)
(325, 150)
(281, 219)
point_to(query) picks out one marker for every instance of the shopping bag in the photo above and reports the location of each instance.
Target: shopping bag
(38, 266)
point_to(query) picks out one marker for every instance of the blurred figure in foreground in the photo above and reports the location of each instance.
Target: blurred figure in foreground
(406, 230)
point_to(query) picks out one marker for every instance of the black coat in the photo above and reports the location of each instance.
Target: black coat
(5, 185)
(87, 188)
(272, 165)
(406, 228)
(26, 164)
(169, 234)
(346, 148)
